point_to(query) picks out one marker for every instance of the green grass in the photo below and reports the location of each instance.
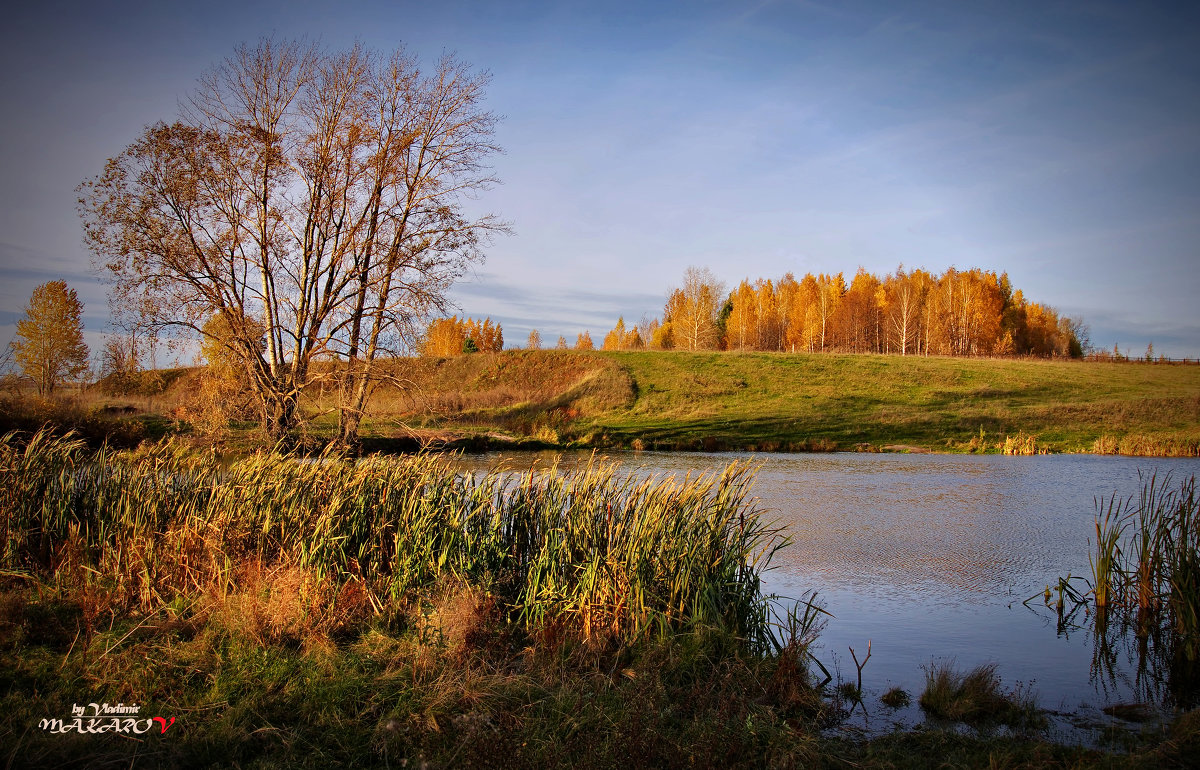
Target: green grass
(777, 401)
(757, 401)
(443, 683)
(770, 401)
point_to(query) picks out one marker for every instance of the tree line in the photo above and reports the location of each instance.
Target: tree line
(960, 313)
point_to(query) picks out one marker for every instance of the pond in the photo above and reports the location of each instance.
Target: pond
(930, 558)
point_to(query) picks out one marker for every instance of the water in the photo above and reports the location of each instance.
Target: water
(930, 557)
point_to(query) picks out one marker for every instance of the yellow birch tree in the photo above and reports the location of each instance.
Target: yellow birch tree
(49, 345)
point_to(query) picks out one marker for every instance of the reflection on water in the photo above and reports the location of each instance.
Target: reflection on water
(930, 558)
(1137, 672)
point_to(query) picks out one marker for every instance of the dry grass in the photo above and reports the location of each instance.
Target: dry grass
(97, 420)
(1142, 445)
(1022, 444)
(286, 605)
(896, 697)
(518, 391)
(976, 697)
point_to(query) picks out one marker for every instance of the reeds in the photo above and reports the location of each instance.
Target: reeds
(599, 553)
(1142, 445)
(1106, 560)
(1022, 444)
(1147, 559)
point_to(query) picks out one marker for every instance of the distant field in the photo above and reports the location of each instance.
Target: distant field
(773, 401)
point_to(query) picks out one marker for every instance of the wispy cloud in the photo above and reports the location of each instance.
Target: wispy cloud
(753, 137)
(552, 310)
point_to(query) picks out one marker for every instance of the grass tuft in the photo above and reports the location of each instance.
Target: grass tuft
(977, 698)
(1022, 444)
(1144, 445)
(896, 698)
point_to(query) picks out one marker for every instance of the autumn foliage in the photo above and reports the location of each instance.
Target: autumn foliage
(454, 336)
(960, 313)
(49, 345)
(621, 338)
(909, 312)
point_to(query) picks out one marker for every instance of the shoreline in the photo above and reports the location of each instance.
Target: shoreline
(466, 441)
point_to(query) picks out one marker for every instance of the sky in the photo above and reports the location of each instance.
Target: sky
(1057, 141)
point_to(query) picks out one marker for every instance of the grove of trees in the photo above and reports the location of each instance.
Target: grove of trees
(313, 199)
(621, 338)
(960, 312)
(453, 336)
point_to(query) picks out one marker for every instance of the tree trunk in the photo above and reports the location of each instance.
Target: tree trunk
(279, 416)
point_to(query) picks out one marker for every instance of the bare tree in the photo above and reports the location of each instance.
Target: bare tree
(119, 363)
(315, 200)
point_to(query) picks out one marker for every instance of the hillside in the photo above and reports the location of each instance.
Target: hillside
(772, 401)
(715, 401)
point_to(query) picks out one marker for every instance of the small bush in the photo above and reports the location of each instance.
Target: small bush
(151, 382)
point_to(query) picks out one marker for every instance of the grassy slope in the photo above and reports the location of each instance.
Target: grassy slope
(745, 399)
(518, 392)
(777, 401)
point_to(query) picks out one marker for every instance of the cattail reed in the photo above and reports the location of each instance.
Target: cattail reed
(1107, 557)
(601, 553)
(1156, 575)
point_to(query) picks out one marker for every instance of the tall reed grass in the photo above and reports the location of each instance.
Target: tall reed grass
(1022, 444)
(598, 553)
(1141, 445)
(1147, 559)
(1145, 589)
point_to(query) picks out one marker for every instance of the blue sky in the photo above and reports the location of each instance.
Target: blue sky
(1057, 141)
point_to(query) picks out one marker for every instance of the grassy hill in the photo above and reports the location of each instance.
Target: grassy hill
(772, 401)
(680, 400)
